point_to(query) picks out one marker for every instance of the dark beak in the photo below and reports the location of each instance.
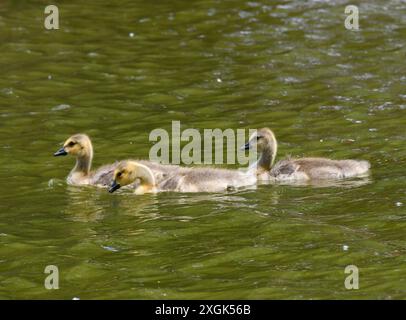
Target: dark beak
(246, 146)
(60, 152)
(114, 186)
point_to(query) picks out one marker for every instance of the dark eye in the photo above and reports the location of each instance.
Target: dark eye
(259, 137)
(71, 144)
(119, 174)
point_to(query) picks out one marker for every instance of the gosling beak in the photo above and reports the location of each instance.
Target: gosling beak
(60, 152)
(114, 186)
(246, 146)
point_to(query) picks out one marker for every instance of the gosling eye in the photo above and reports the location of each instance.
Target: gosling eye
(119, 174)
(259, 137)
(71, 144)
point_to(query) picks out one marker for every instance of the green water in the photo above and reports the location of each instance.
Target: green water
(118, 71)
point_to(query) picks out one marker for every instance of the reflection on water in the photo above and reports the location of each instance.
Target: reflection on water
(343, 183)
(118, 71)
(85, 208)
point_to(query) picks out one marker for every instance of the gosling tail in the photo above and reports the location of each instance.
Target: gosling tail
(353, 168)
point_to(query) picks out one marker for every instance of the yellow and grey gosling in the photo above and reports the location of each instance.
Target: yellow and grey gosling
(300, 168)
(180, 179)
(80, 146)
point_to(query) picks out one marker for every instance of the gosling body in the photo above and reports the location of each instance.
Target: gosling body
(318, 168)
(180, 179)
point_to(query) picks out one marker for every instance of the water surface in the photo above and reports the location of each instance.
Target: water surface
(119, 70)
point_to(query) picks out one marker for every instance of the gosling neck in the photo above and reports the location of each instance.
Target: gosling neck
(84, 162)
(268, 154)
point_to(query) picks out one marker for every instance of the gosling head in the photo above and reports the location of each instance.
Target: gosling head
(78, 145)
(264, 141)
(261, 139)
(125, 174)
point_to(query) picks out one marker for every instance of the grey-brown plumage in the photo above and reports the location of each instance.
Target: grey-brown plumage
(206, 180)
(318, 168)
(157, 178)
(103, 176)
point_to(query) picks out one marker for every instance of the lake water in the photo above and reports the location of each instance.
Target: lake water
(118, 71)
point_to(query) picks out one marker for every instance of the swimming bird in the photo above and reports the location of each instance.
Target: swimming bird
(299, 168)
(80, 146)
(181, 180)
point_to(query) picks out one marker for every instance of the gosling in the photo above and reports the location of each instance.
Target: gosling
(181, 180)
(300, 168)
(80, 146)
